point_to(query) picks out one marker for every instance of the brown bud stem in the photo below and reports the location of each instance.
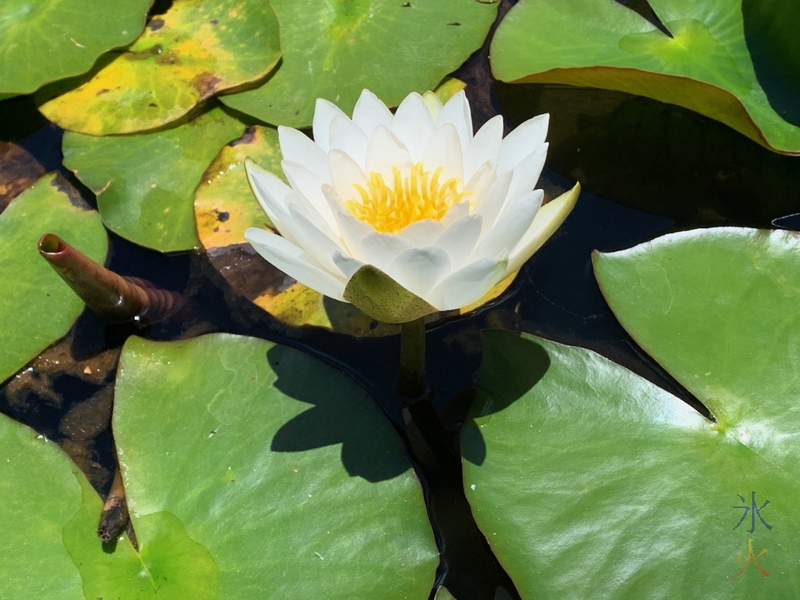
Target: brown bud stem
(109, 296)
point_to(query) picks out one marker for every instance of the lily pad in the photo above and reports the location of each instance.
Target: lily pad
(281, 467)
(224, 205)
(49, 548)
(170, 566)
(42, 490)
(704, 64)
(145, 182)
(192, 52)
(334, 49)
(44, 41)
(443, 594)
(37, 307)
(720, 310)
(590, 482)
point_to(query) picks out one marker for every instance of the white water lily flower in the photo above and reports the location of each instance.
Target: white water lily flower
(444, 213)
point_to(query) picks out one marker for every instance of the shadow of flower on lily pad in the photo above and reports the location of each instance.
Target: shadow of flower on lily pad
(370, 447)
(509, 367)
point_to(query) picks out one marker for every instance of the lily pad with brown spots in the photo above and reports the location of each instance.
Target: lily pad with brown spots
(192, 52)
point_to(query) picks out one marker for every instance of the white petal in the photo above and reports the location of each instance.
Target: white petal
(456, 212)
(346, 173)
(510, 227)
(420, 269)
(468, 284)
(480, 183)
(309, 185)
(384, 152)
(522, 141)
(425, 232)
(422, 233)
(492, 203)
(305, 208)
(348, 137)
(314, 241)
(353, 231)
(298, 147)
(459, 240)
(526, 174)
(370, 112)
(334, 199)
(266, 185)
(456, 111)
(433, 103)
(380, 249)
(444, 150)
(294, 262)
(324, 112)
(347, 264)
(548, 219)
(413, 125)
(484, 146)
(272, 194)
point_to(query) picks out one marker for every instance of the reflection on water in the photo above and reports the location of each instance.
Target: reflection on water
(659, 158)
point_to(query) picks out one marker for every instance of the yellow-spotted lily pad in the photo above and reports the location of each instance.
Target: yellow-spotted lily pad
(192, 52)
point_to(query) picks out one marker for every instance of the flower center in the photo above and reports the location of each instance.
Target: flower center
(413, 198)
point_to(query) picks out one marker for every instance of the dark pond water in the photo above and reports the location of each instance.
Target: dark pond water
(646, 168)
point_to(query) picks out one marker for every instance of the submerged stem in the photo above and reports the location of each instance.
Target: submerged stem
(412, 383)
(115, 519)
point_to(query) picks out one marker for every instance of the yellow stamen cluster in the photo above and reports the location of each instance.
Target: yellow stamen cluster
(413, 198)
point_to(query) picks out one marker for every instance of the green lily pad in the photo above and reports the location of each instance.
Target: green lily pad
(334, 49)
(720, 310)
(281, 467)
(590, 482)
(169, 566)
(192, 52)
(145, 182)
(775, 47)
(49, 548)
(37, 307)
(42, 490)
(44, 41)
(704, 64)
(443, 594)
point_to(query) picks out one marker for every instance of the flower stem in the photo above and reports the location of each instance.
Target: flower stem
(411, 384)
